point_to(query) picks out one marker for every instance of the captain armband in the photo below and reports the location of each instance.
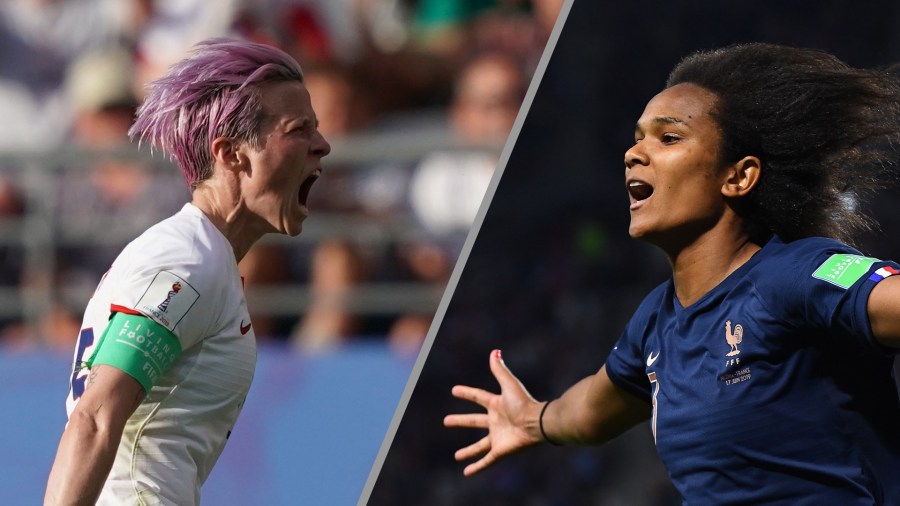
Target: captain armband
(138, 346)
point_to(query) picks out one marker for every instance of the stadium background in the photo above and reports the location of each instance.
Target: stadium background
(553, 277)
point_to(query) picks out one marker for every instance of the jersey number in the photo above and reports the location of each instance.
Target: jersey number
(655, 385)
(85, 339)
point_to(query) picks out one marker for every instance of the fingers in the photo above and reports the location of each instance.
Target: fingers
(476, 395)
(477, 467)
(475, 449)
(504, 376)
(470, 421)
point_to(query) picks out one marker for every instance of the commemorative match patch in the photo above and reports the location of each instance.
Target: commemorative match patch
(882, 273)
(843, 269)
(167, 299)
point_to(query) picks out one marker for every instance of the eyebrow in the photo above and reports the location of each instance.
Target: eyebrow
(303, 120)
(663, 120)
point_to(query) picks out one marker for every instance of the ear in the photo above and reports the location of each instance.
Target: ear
(226, 154)
(742, 177)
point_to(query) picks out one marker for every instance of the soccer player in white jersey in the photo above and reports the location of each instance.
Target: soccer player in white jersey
(167, 352)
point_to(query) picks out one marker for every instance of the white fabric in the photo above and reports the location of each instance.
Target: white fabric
(175, 436)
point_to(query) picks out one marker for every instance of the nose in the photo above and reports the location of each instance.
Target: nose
(635, 156)
(320, 146)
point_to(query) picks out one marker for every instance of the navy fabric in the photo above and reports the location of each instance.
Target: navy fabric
(770, 389)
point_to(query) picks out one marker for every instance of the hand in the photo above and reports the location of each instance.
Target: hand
(511, 419)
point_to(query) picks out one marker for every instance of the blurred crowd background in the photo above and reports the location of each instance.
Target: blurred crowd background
(417, 98)
(553, 277)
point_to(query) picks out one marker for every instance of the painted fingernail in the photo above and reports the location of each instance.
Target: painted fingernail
(497, 352)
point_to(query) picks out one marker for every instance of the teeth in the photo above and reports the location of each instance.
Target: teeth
(640, 190)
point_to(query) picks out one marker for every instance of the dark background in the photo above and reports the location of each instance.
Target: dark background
(553, 275)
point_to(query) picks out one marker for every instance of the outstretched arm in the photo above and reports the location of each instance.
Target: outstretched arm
(590, 412)
(88, 445)
(593, 411)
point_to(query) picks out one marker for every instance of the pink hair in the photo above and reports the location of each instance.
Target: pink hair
(212, 93)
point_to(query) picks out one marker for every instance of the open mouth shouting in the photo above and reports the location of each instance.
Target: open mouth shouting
(638, 192)
(306, 186)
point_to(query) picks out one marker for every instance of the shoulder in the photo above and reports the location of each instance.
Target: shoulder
(807, 247)
(803, 281)
(185, 243)
(178, 264)
(786, 265)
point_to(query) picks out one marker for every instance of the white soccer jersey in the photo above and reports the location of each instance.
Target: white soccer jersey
(181, 273)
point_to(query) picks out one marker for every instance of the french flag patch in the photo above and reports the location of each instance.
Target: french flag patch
(882, 273)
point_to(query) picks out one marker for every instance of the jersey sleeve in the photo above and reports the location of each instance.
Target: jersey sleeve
(846, 307)
(830, 290)
(625, 365)
(178, 293)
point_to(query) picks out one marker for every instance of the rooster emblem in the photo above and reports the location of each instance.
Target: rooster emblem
(733, 339)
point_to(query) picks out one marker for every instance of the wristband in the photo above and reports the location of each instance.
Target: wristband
(541, 425)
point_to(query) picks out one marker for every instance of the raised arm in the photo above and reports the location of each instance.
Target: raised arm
(592, 411)
(884, 312)
(88, 445)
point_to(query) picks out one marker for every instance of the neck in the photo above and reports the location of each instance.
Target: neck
(227, 211)
(701, 265)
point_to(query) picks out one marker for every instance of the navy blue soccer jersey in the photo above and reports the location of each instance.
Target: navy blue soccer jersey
(771, 389)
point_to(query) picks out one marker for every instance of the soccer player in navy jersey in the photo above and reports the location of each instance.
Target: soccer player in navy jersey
(765, 362)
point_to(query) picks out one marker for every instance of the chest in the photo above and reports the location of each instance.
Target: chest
(711, 370)
(224, 360)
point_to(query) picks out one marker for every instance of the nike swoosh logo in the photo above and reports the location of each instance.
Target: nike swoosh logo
(651, 358)
(245, 329)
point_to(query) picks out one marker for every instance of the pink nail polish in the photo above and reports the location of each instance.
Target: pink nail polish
(497, 352)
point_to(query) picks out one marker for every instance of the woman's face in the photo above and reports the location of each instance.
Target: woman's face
(276, 188)
(673, 173)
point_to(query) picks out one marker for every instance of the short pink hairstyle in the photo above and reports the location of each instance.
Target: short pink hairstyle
(212, 93)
